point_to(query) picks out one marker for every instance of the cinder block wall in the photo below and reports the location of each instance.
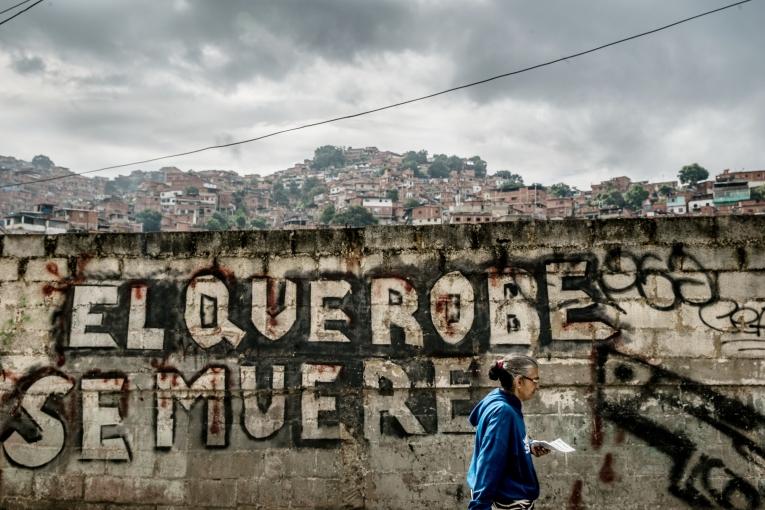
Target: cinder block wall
(335, 368)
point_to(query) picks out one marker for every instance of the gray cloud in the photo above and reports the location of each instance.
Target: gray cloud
(28, 65)
(174, 74)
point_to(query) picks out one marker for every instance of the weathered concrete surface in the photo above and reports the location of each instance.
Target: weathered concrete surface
(334, 368)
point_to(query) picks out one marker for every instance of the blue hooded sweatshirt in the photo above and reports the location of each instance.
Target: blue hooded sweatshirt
(501, 469)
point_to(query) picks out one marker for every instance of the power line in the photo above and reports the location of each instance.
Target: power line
(14, 6)
(20, 12)
(387, 107)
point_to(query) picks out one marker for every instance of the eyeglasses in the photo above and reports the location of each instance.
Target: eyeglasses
(534, 380)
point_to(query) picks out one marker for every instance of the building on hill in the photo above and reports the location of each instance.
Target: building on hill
(82, 220)
(751, 207)
(753, 178)
(620, 184)
(728, 192)
(700, 204)
(39, 221)
(677, 205)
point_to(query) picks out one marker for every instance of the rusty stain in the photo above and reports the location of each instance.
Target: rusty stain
(52, 268)
(620, 435)
(607, 474)
(216, 418)
(575, 499)
(138, 291)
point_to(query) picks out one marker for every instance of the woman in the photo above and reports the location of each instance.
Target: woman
(501, 472)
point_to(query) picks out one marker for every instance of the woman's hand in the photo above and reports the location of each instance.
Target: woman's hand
(538, 450)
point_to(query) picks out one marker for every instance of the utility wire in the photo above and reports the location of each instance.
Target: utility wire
(387, 107)
(6, 20)
(14, 6)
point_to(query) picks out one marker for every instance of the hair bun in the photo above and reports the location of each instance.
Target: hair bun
(496, 369)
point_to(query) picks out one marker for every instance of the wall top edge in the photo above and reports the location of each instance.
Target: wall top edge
(568, 233)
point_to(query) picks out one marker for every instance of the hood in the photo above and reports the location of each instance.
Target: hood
(494, 398)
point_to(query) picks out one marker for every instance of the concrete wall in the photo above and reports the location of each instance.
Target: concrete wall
(334, 368)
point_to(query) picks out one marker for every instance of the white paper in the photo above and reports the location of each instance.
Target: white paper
(559, 445)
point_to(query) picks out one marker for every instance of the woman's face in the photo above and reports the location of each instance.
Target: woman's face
(527, 385)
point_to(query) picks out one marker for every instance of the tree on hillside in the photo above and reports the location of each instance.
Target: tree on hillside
(438, 169)
(218, 221)
(355, 216)
(328, 156)
(454, 163)
(692, 174)
(43, 162)
(635, 197)
(240, 219)
(479, 166)
(309, 184)
(259, 223)
(392, 194)
(561, 190)
(666, 191)
(612, 198)
(278, 195)
(411, 203)
(193, 191)
(151, 220)
(327, 214)
(509, 178)
(420, 157)
(509, 186)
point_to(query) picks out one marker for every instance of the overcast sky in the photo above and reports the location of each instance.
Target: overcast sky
(96, 83)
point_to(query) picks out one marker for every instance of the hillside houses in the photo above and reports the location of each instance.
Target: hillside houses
(392, 188)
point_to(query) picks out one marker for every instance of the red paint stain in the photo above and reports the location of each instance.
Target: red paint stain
(49, 288)
(60, 359)
(226, 273)
(607, 474)
(442, 310)
(9, 376)
(575, 500)
(138, 291)
(493, 278)
(52, 268)
(216, 418)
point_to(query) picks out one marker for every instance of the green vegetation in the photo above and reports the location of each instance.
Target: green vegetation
(412, 160)
(634, 197)
(666, 191)
(259, 223)
(692, 174)
(327, 214)
(151, 220)
(479, 166)
(612, 198)
(392, 194)
(354, 216)
(561, 190)
(328, 156)
(219, 221)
